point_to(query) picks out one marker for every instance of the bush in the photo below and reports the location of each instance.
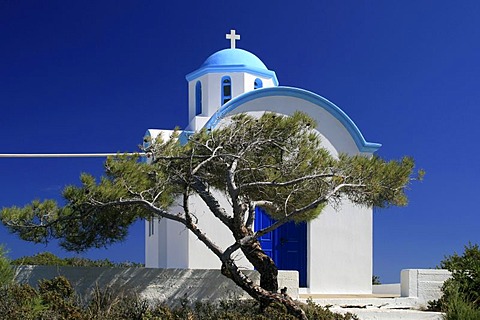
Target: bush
(58, 296)
(461, 293)
(457, 308)
(56, 299)
(239, 310)
(465, 275)
(49, 259)
(20, 302)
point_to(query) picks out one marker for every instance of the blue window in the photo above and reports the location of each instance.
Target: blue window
(226, 89)
(198, 98)
(258, 84)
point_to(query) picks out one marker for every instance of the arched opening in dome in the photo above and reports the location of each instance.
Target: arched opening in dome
(258, 84)
(226, 89)
(198, 98)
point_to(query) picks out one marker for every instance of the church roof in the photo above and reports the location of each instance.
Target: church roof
(300, 94)
(230, 57)
(233, 60)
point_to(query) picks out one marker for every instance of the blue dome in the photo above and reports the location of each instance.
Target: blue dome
(233, 60)
(234, 57)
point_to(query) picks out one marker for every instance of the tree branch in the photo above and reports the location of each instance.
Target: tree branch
(288, 183)
(212, 203)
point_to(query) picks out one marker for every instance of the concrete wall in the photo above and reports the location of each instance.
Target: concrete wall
(165, 285)
(392, 289)
(423, 284)
(340, 251)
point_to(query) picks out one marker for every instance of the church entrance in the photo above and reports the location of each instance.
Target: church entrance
(287, 245)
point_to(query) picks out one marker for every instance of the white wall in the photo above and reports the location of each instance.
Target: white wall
(211, 93)
(155, 285)
(423, 284)
(159, 251)
(340, 251)
(177, 247)
(335, 139)
(339, 243)
(155, 242)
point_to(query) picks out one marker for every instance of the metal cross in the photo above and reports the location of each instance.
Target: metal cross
(233, 37)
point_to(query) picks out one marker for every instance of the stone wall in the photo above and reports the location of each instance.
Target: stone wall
(166, 285)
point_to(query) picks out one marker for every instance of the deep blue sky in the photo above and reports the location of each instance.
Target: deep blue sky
(80, 76)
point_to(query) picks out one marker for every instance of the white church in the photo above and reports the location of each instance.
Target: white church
(333, 253)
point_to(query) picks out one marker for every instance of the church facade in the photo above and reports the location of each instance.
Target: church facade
(333, 253)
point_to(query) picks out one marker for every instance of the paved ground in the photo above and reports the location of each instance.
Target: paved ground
(374, 306)
(345, 296)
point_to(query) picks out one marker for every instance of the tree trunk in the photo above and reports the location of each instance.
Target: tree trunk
(259, 259)
(265, 297)
(263, 264)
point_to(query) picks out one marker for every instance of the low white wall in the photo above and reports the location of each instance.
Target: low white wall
(166, 285)
(423, 284)
(392, 289)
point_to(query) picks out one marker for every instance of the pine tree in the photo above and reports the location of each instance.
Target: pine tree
(274, 162)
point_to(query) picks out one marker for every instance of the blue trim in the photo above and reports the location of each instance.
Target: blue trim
(184, 135)
(320, 101)
(145, 145)
(232, 68)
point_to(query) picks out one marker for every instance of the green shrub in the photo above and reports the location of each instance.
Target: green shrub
(234, 309)
(314, 311)
(20, 302)
(457, 308)
(461, 293)
(107, 303)
(465, 275)
(49, 259)
(56, 299)
(58, 296)
(40, 259)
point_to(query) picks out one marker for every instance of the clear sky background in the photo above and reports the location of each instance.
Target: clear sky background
(80, 76)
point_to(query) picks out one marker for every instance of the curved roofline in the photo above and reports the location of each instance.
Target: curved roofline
(232, 68)
(234, 56)
(309, 96)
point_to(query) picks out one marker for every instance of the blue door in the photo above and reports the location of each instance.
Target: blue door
(287, 245)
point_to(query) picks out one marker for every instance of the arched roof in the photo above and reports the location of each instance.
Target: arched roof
(233, 60)
(228, 57)
(319, 101)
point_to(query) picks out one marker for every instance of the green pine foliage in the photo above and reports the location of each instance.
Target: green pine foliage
(7, 273)
(273, 160)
